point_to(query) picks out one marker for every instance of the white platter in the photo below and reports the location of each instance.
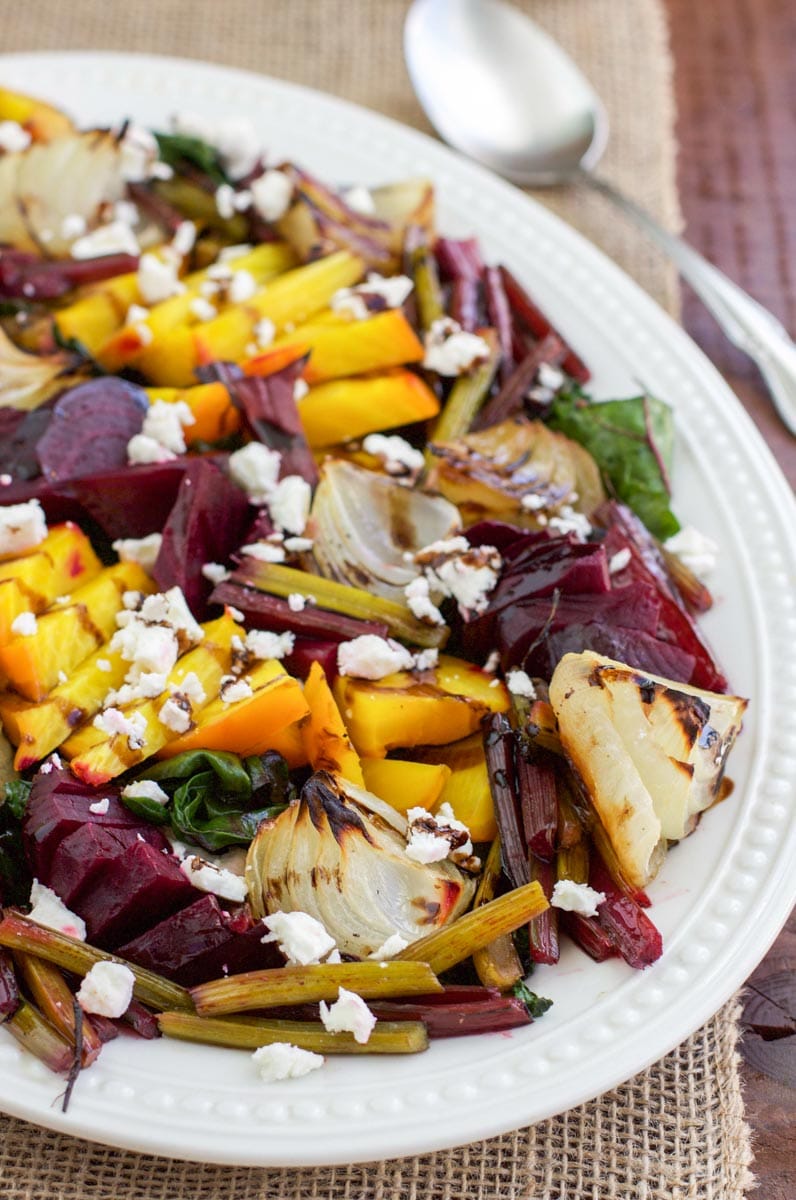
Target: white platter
(722, 895)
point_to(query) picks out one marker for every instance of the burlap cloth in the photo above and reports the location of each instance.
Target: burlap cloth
(676, 1131)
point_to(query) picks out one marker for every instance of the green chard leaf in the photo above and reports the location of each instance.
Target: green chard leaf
(15, 797)
(217, 799)
(176, 149)
(631, 441)
(537, 1006)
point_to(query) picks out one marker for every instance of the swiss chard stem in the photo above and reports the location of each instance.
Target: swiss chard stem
(498, 964)
(39, 1038)
(387, 1037)
(466, 397)
(55, 999)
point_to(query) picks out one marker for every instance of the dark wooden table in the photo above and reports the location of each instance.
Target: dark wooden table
(735, 79)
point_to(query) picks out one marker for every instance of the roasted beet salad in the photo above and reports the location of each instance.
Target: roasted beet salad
(349, 647)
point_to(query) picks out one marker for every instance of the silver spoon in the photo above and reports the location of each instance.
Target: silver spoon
(497, 87)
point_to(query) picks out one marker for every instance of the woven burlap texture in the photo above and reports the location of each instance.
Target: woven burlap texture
(676, 1131)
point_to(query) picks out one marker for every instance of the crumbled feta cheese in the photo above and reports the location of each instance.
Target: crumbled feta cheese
(283, 1060)
(300, 389)
(377, 293)
(617, 562)
(360, 200)
(289, 504)
(22, 526)
(135, 314)
(6, 480)
(264, 333)
(215, 572)
(372, 657)
(209, 878)
(271, 194)
(576, 897)
(301, 938)
(107, 989)
(184, 238)
(150, 647)
(225, 201)
(191, 686)
(164, 422)
(175, 714)
(398, 456)
(519, 683)
(389, 948)
(297, 545)
(143, 551)
(231, 689)
(549, 377)
(139, 685)
(228, 253)
(493, 662)
(348, 1014)
(696, 550)
(103, 664)
(100, 807)
(533, 502)
(263, 644)
(420, 602)
(255, 468)
(426, 660)
(296, 602)
(157, 277)
(142, 449)
(138, 151)
(49, 910)
(434, 837)
(202, 309)
(24, 625)
(112, 721)
(146, 789)
(264, 551)
(467, 573)
(62, 676)
(72, 226)
(125, 210)
(115, 238)
(568, 520)
(13, 138)
(449, 350)
(242, 287)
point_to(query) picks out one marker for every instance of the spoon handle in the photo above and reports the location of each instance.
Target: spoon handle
(746, 323)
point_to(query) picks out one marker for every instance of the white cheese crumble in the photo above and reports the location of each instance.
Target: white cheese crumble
(360, 200)
(100, 807)
(348, 1014)
(113, 721)
(426, 660)
(301, 938)
(184, 238)
(72, 226)
(389, 291)
(146, 789)
(165, 421)
(142, 449)
(283, 1060)
(135, 314)
(234, 138)
(432, 837)
(264, 552)
(297, 545)
(13, 138)
(215, 572)
(397, 455)
(231, 689)
(520, 683)
(263, 644)
(449, 350)
(242, 287)
(617, 562)
(202, 309)
(264, 333)
(22, 526)
(138, 151)
(569, 520)
(533, 502)
(393, 945)
(696, 550)
(467, 573)
(207, 877)
(296, 602)
(49, 910)
(24, 625)
(271, 194)
(420, 603)
(255, 468)
(175, 714)
(103, 664)
(115, 238)
(300, 389)
(157, 277)
(549, 377)
(372, 657)
(107, 989)
(576, 897)
(289, 504)
(225, 201)
(190, 686)
(143, 551)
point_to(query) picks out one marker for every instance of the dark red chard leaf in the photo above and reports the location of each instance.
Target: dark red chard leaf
(25, 276)
(530, 315)
(268, 407)
(90, 427)
(458, 259)
(465, 303)
(206, 525)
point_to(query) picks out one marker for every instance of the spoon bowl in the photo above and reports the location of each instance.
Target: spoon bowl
(500, 89)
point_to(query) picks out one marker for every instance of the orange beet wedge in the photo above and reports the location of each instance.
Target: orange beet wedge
(345, 348)
(350, 408)
(326, 738)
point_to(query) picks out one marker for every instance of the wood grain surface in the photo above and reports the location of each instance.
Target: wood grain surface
(735, 80)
